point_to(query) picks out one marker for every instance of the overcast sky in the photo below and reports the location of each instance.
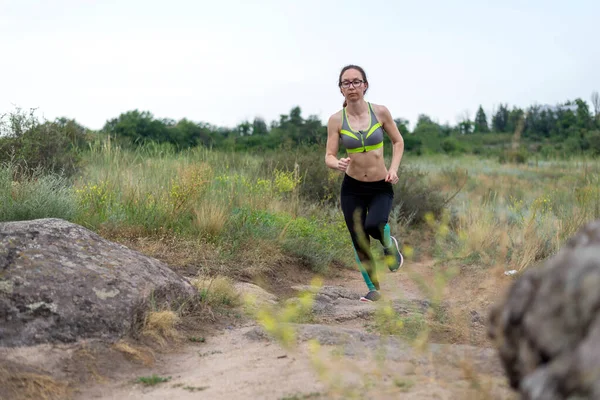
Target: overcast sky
(224, 61)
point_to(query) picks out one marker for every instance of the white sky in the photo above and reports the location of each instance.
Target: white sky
(223, 61)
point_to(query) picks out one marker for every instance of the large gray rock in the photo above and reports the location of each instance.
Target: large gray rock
(547, 329)
(60, 282)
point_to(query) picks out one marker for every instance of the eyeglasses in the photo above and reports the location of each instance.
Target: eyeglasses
(356, 83)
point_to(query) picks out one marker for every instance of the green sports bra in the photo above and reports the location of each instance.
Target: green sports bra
(362, 141)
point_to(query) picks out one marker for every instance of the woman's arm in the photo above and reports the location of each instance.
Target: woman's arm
(389, 126)
(333, 143)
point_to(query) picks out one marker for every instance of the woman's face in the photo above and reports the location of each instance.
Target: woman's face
(353, 86)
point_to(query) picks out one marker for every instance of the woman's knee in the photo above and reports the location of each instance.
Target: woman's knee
(375, 228)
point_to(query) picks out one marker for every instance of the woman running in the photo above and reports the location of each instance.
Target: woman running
(366, 192)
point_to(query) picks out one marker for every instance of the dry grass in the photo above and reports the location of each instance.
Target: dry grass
(31, 386)
(211, 217)
(479, 233)
(217, 291)
(135, 353)
(257, 257)
(161, 326)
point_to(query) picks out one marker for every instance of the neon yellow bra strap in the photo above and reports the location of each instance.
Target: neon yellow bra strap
(373, 128)
(366, 148)
(348, 133)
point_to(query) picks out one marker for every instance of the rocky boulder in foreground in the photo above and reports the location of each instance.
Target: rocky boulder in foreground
(547, 329)
(60, 282)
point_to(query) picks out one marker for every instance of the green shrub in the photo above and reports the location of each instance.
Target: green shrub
(593, 139)
(311, 239)
(415, 196)
(450, 145)
(31, 145)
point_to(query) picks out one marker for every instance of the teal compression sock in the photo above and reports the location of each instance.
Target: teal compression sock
(364, 273)
(387, 237)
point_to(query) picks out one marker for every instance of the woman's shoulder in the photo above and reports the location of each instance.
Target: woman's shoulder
(335, 118)
(380, 110)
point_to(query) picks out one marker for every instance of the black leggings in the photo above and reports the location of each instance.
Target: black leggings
(371, 202)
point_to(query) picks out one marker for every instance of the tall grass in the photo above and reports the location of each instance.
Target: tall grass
(39, 195)
(224, 199)
(514, 214)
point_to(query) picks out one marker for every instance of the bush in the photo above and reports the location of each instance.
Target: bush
(415, 196)
(593, 139)
(451, 146)
(31, 145)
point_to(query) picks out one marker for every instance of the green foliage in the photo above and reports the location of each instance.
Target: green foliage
(413, 144)
(451, 145)
(152, 380)
(402, 125)
(415, 196)
(572, 119)
(514, 116)
(30, 144)
(139, 127)
(37, 195)
(308, 238)
(593, 139)
(481, 123)
(500, 119)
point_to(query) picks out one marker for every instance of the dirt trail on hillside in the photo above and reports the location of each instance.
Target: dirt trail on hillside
(354, 361)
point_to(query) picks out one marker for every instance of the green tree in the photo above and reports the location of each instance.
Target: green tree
(402, 125)
(514, 116)
(585, 120)
(427, 134)
(500, 119)
(186, 133)
(137, 126)
(481, 123)
(296, 116)
(566, 121)
(539, 122)
(259, 127)
(465, 125)
(244, 129)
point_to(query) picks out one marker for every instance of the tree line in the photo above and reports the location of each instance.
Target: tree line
(561, 130)
(570, 127)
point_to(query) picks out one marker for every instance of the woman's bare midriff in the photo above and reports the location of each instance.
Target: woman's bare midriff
(368, 166)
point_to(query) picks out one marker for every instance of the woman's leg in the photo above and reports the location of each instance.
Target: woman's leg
(354, 207)
(377, 226)
(377, 218)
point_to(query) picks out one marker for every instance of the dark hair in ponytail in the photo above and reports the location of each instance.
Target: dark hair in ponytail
(359, 69)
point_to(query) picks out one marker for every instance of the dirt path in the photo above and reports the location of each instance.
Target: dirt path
(353, 362)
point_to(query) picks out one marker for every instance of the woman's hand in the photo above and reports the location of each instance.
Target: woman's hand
(343, 164)
(392, 177)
